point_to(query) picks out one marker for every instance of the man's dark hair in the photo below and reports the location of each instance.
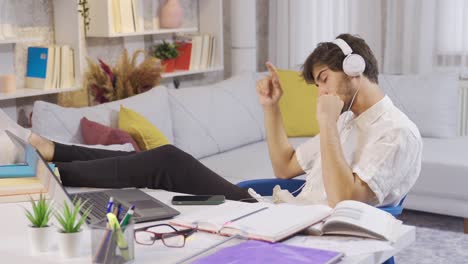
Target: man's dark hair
(330, 55)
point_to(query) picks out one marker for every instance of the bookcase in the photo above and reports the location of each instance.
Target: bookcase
(63, 22)
(209, 21)
(69, 30)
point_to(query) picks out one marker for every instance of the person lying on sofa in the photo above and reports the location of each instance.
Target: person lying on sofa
(377, 162)
(367, 149)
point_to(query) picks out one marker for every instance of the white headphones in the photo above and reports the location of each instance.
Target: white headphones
(353, 64)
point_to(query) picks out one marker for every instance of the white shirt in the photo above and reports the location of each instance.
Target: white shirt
(382, 146)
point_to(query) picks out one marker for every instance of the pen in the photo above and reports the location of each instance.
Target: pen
(127, 217)
(115, 211)
(243, 216)
(118, 210)
(110, 204)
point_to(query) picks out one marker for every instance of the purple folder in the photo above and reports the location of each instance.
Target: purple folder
(271, 253)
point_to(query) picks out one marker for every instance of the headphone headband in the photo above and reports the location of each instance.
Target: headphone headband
(343, 46)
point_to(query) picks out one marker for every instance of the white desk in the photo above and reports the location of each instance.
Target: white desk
(14, 244)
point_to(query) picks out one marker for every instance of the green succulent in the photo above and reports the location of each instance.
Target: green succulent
(68, 217)
(165, 51)
(41, 211)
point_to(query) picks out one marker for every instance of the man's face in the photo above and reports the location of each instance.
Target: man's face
(335, 83)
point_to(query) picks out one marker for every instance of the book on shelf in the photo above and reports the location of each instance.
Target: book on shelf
(116, 21)
(67, 72)
(57, 67)
(50, 67)
(185, 51)
(202, 52)
(39, 67)
(138, 19)
(275, 222)
(127, 16)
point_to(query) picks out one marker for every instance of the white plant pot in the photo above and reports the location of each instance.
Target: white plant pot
(69, 244)
(40, 238)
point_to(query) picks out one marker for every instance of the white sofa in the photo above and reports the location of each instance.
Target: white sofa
(222, 126)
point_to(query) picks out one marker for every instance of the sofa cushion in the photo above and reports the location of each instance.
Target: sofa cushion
(215, 118)
(298, 105)
(431, 101)
(246, 163)
(63, 124)
(444, 170)
(146, 134)
(94, 133)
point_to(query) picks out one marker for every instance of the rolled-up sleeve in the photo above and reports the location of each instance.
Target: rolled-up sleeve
(384, 164)
(307, 153)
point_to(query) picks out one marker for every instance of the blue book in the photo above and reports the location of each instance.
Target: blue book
(37, 69)
(27, 169)
(19, 170)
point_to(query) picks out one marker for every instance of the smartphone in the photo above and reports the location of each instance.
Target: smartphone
(198, 199)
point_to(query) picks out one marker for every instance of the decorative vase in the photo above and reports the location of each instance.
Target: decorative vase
(169, 65)
(171, 14)
(40, 238)
(69, 244)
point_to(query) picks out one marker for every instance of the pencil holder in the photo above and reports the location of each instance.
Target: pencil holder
(112, 244)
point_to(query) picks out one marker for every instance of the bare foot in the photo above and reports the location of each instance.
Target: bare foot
(44, 146)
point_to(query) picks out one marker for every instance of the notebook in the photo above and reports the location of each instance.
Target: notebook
(260, 221)
(251, 252)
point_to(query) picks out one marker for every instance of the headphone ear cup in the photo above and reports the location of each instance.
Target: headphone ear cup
(354, 65)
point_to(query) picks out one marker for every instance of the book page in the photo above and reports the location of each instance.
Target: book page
(278, 221)
(356, 218)
(213, 218)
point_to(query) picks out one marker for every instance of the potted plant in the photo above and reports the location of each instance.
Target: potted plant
(70, 227)
(39, 229)
(167, 53)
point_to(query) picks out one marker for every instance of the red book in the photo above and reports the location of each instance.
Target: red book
(183, 60)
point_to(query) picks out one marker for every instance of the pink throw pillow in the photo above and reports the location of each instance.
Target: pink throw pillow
(94, 133)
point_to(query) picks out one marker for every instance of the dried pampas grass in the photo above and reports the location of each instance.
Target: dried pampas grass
(106, 84)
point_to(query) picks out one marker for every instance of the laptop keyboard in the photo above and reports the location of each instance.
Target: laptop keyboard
(98, 201)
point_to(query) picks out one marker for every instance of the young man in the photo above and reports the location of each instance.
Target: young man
(370, 154)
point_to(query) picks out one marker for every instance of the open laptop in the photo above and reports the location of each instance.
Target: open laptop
(147, 208)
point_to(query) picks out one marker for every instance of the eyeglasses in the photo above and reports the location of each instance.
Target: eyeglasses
(170, 236)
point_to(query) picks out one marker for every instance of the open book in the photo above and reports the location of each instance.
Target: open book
(260, 221)
(358, 219)
(275, 222)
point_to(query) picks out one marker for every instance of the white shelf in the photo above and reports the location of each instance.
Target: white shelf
(18, 40)
(152, 32)
(184, 73)
(27, 92)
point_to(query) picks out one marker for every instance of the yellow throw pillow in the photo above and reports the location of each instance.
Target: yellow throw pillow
(298, 105)
(146, 135)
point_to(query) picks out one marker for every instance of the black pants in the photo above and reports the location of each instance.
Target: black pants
(166, 167)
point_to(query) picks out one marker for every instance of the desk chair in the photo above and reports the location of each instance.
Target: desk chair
(265, 187)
